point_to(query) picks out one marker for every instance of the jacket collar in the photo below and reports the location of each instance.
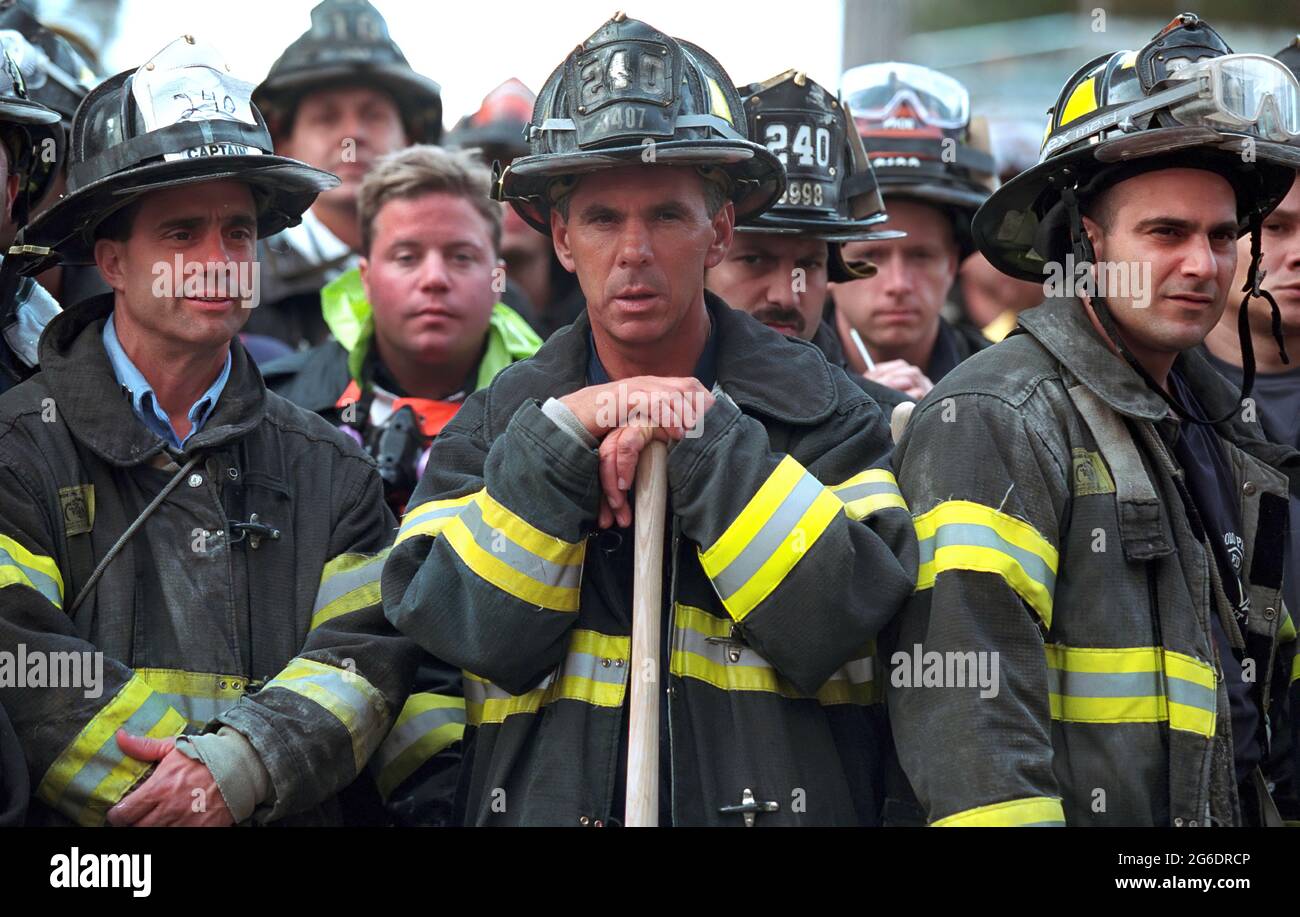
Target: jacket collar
(760, 369)
(1062, 327)
(76, 368)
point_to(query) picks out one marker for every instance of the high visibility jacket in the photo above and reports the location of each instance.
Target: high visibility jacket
(200, 622)
(789, 550)
(416, 767)
(1046, 500)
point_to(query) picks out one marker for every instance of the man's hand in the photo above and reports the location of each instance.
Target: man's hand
(627, 415)
(659, 400)
(901, 376)
(167, 797)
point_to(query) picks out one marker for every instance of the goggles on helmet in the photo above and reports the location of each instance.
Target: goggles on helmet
(875, 91)
(1243, 93)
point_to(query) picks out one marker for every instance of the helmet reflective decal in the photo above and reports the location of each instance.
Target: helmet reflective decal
(718, 101)
(624, 89)
(199, 88)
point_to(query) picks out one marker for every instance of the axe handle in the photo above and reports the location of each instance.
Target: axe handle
(647, 612)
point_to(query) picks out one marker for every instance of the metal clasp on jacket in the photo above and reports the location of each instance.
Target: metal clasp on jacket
(749, 807)
(734, 643)
(254, 531)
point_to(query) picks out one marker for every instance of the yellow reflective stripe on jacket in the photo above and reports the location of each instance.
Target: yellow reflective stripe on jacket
(1287, 630)
(868, 492)
(427, 724)
(348, 583)
(20, 567)
(696, 653)
(961, 535)
(515, 557)
(594, 671)
(776, 528)
(1144, 684)
(1295, 667)
(198, 696)
(352, 700)
(432, 517)
(1033, 812)
(91, 774)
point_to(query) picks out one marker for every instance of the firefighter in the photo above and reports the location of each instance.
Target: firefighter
(215, 547)
(338, 98)
(1095, 509)
(934, 169)
(515, 557)
(779, 263)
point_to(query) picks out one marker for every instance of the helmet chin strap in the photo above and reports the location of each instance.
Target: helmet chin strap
(1085, 254)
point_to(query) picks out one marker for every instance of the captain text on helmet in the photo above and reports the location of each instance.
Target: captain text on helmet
(218, 546)
(781, 501)
(1094, 503)
(779, 263)
(934, 169)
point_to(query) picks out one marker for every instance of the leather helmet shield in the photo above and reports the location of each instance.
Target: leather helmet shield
(623, 88)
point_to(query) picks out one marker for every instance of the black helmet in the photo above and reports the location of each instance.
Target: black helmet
(1183, 100)
(498, 126)
(182, 118)
(631, 94)
(348, 44)
(1119, 114)
(916, 125)
(32, 136)
(57, 77)
(831, 192)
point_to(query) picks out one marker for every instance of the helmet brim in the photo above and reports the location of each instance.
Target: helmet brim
(759, 180)
(286, 189)
(418, 98)
(1005, 227)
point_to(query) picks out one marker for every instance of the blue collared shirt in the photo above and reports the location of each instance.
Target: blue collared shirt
(145, 403)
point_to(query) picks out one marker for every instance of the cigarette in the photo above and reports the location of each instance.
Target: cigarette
(862, 349)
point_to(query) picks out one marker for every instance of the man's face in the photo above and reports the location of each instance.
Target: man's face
(428, 276)
(527, 254)
(640, 239)
(899, 307)
(1281, 260)
(1181, 226)
(344, 130)
(780, 280)
(210, 230)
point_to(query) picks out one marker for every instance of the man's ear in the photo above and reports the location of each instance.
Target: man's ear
(363, 268)
(108, 258)
(560, 239)
(724, 230)
(1095, 235)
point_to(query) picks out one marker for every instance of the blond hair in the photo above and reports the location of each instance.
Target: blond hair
(415, 171)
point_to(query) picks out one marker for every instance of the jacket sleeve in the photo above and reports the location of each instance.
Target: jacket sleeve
(486, 569)
(811, 561)
(987, 494)
(70, 700)
(318, 721)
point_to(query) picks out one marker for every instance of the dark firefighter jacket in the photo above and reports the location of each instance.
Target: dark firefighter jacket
(1053, 533)
(790, 549)
(200, 620)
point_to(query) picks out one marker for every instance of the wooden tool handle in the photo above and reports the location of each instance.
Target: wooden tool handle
(647, 612)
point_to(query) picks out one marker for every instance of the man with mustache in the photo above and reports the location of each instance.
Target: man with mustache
(217, 547)
(515, 559)
(338, 98)
(1095, 505)
(778, 265)
(934, 169)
